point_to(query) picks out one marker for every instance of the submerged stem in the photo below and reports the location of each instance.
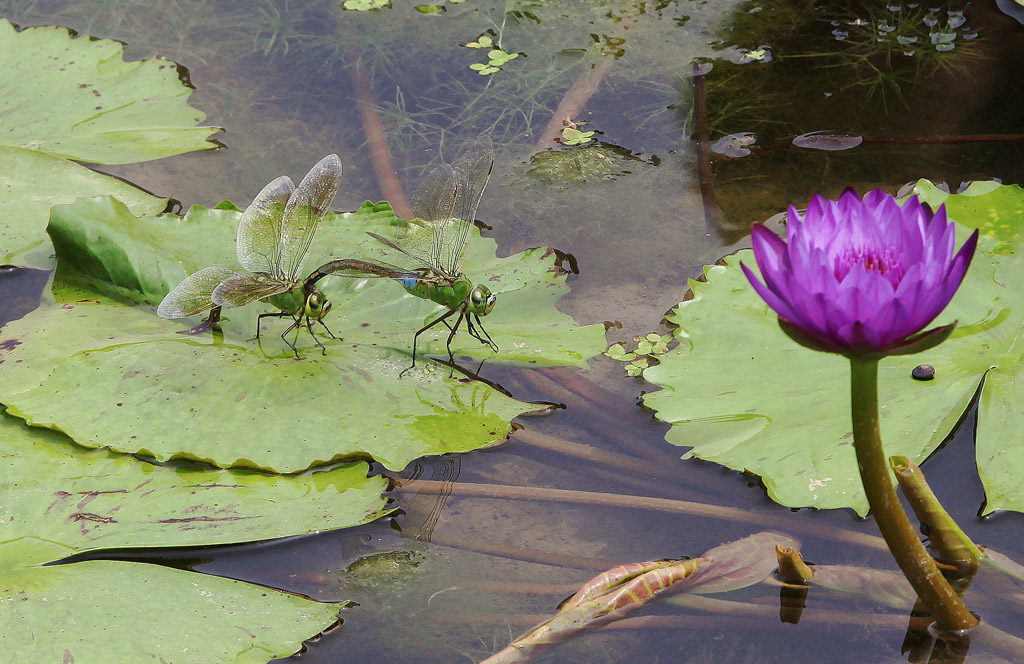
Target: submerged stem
(917, 565)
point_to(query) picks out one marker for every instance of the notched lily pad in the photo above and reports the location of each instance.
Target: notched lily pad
(110, 374)
(738, 392)
(110, 111)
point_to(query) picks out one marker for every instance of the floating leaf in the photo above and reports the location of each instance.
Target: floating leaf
(109, 111)
(636, 368)
(573, 136)
(483, 41)
(108, 609)
(734, 145)
(61, 499)
(618, 352)
(24, 213)
(81, 500)
(366, 5)
(483, 69)
(761, 424)
(828, 141)
(113, 375)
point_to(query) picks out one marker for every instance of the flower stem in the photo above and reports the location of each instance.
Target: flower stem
(917, 565)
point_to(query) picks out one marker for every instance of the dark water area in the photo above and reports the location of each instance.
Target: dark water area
(454, 576)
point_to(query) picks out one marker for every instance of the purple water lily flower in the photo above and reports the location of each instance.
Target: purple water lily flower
(861, 276)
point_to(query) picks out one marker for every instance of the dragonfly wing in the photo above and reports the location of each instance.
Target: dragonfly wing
(305, 209)
(242, 289)
(473, 170)
(448, 197)
(194, 294)
(434, 203)
(259, 230)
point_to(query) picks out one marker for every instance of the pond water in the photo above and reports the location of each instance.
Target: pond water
(455, 575)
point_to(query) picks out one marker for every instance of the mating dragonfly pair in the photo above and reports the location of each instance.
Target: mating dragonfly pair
(277, 230)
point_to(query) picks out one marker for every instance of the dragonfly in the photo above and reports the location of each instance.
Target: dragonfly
(274, 236)
(426, 255)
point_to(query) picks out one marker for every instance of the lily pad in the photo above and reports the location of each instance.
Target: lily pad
(790, 424)
(32, 181)
(81, 500)
(109, 111)
(61, 499)
(109, 374)
(122, 610)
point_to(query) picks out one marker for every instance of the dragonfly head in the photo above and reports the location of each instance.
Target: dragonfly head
(317, 305)
(481, 300)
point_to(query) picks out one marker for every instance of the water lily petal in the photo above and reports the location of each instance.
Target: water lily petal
(860, 275)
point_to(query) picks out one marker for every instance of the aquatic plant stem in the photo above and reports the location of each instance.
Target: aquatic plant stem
(712, 213)
(574, 100)
(390, 187)
(668, 505)
(917, 565)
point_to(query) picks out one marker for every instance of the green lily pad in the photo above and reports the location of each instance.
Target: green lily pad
(81, 499)
(109, 111)
(117, 611)
(108, 374)
(740, 393)
(32, 181)
(61, 499)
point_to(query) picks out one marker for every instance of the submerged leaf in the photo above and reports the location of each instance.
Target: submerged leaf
(623, 589)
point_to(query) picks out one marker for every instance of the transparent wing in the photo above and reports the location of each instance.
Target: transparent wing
(434, 202)
(259, 231)
(445, 205)
(242, 289)
(306, 207)
(472, 171)
(194, 294)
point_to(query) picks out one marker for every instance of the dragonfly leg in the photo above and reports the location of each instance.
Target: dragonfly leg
(309, 326)
(280, 314)
(296, 322)
(326, 328)
(426, 327)
(451, 335)
(486, 339)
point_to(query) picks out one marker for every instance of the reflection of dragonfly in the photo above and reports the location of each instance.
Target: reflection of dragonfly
(274, 235)
(428, 251)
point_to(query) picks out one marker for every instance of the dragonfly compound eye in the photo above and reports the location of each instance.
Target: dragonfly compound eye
(317, 306)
